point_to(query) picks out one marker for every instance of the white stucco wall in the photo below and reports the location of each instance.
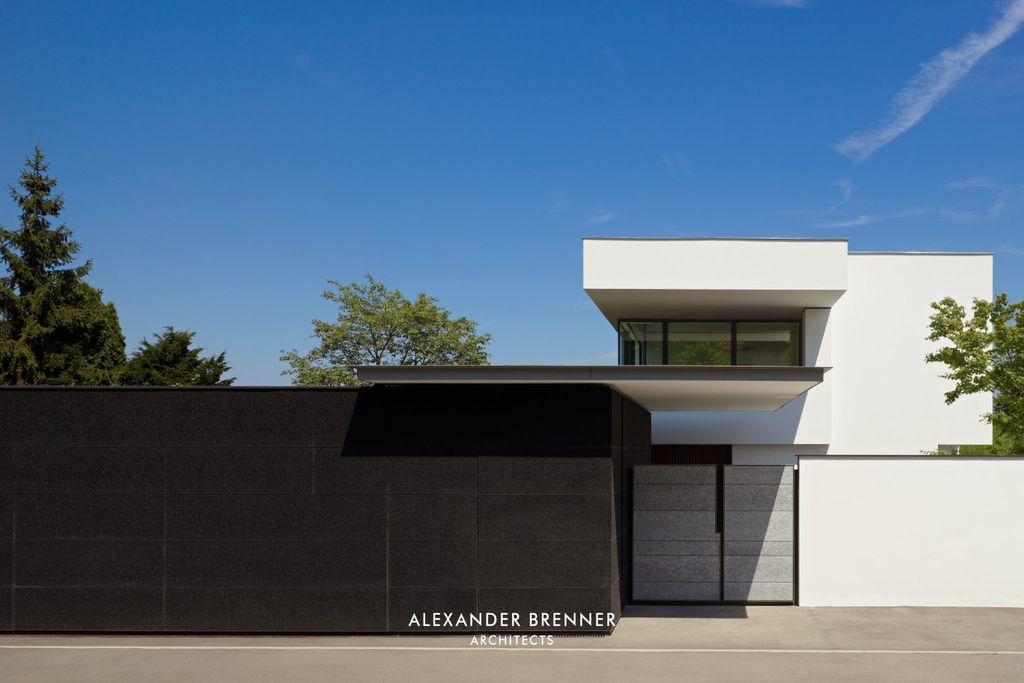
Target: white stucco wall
(941, 531)
(886, 400)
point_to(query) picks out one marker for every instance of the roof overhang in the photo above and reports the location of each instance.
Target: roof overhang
(712, 278)
(655, 387)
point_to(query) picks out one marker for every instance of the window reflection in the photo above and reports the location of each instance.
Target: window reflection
(699, 343)
(679, 342)
(768, 343)
(640, 343)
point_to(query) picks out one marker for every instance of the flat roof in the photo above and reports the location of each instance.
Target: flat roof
(655, 387)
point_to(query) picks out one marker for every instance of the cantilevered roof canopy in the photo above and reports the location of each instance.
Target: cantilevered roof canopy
(712, 278)
(655, 387)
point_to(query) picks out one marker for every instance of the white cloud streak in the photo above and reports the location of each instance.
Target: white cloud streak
(978, 182)
(999, 204)
(847, 188)
(781, 3)
(869, 219)
(613, 61)
(935, 78)
(599, 215)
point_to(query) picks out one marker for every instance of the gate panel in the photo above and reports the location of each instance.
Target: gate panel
(676, 545)
(758, 547)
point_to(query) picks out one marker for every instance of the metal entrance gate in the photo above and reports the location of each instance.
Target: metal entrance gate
(714, 533)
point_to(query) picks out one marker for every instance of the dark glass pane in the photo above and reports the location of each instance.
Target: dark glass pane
(640, 343)
(699, 343)
(768, 343)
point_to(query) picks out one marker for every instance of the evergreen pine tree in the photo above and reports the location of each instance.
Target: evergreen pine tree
(54, 327)
(170, 360)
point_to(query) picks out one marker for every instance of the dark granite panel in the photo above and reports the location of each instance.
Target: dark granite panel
(6, 568)
(512, 474)
(89, 469)
(275, 516)
(432, 518)
(281, 611)
(108, 418)
(252, 469)
(6, 613)
(551, 564)
(6, 515)
(432, 563)
(340, 419)
(88, 609)
(339, 472)
(321, 565)
(536, 607)
(6, 467)
(6, 419)
(550, 517)
(245, 418)
(166, 417)
(438, 474)
(101, 564)
(85, 516)
(422, 604)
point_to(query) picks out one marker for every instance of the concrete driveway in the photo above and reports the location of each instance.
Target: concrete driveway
(651, 644)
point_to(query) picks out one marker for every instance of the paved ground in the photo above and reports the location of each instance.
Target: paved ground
(678, 644)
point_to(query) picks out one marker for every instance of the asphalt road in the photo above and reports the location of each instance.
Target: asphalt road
(693, 644)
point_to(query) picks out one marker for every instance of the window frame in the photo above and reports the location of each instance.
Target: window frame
(732, 334)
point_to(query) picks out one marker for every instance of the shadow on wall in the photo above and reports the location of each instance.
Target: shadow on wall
(778, 426)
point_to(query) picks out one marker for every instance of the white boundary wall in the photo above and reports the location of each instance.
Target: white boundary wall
(927, 531)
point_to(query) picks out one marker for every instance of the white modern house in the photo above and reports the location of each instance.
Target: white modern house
(861, 316)
(767, 436)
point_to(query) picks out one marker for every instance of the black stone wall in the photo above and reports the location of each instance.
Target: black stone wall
(304, 510)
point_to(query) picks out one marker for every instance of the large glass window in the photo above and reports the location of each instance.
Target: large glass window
(699, 343)
(694, 342)
(768, 343)
(641, 343)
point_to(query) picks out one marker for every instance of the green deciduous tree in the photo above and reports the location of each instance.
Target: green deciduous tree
(985, 352)
(170, 360)
(54, 327)
(380, 326)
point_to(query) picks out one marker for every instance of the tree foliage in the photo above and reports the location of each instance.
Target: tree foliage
(170, 360)
(700, 353)
(985, 352)
(54, 327)
(380, 326)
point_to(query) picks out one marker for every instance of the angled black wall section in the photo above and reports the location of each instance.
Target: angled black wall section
(306, 510)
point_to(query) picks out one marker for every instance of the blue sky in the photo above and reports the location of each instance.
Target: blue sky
(220, 161)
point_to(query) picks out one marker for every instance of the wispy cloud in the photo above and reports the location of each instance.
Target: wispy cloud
(780, 3)
(600, 215)
(999, 204)
(935, 78)
(977, 182)
(870, 218)
(995, 208)
(847, 188)
(613, 62)
(960, 216)
(1012, 251)
(679, 162)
